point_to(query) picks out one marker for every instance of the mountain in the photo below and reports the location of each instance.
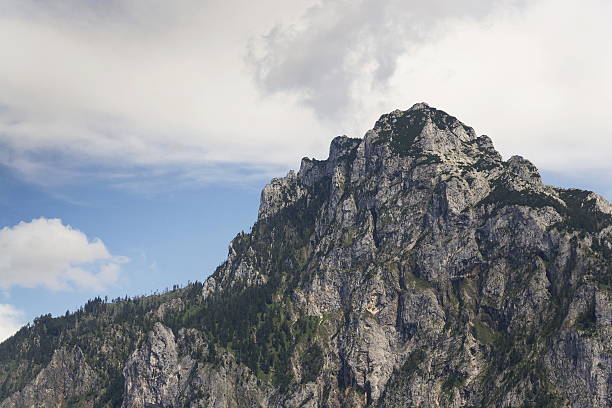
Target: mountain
(413, 267)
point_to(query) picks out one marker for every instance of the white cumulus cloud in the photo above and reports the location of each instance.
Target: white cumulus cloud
(11, 319)
(46, 253)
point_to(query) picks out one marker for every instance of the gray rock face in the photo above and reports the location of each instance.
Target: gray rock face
(413, 267)
(455, 273)
(279, 194)
(160, 373)
(67, 381)
(153, 372)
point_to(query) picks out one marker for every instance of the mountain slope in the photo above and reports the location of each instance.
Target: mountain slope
(413, 267)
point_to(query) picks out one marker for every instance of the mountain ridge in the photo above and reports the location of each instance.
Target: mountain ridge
(413, 267)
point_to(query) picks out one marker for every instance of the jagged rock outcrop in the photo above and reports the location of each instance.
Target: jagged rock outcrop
(413, 267)
(161, 374)
(67, 381)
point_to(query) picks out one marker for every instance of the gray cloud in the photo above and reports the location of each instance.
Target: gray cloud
(141, 85)
(143, 91)
(338, 43)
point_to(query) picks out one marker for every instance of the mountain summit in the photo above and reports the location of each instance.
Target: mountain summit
(413, 267)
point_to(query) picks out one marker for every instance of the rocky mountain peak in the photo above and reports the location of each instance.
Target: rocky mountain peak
(421, 127)
(421, 137)
(424, 207)
(413, 267)
(419, 106)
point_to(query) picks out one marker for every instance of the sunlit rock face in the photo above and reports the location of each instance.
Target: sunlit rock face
(413, 267)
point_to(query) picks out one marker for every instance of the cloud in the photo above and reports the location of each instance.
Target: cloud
(156, 93)
(141, 85)
(11, 319)
(513, 70)
(46, 253)
(338, 43)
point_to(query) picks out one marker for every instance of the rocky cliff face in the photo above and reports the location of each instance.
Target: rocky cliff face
(413, 267)
(68, 380)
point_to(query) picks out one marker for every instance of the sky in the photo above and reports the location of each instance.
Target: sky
(136, 135)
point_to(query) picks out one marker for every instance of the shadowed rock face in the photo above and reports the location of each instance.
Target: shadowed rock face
(413, 267)
(68, 379)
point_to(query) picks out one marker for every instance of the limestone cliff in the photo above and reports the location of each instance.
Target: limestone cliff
(413, 267)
